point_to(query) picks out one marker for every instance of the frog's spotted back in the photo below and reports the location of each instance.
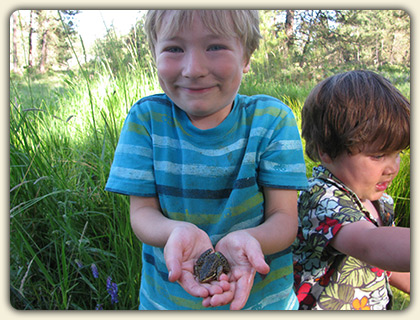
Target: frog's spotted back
(209, 266)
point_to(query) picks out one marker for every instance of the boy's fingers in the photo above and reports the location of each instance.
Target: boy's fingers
(242, 291)
(256, 259)
(206, 302)
(221, 299)
(190, 285)
(259, 264)
(174, 273)
(174, 267)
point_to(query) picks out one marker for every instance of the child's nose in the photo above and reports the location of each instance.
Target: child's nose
(393, 165)
(194, 65)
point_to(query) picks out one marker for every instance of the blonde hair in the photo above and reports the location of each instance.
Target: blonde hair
(245, 25)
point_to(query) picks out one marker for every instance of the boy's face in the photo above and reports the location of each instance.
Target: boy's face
(367, 174)
(201, 72)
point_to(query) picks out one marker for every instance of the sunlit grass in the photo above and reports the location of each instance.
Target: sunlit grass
(401, 299)
(61, 218)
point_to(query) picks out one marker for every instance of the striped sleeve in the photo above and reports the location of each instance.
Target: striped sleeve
(282, 164)
(132, 169)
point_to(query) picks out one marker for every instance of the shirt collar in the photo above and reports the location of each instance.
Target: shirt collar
(320, 172)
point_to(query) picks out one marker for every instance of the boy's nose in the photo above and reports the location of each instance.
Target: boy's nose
(393, 165)
(194, 65)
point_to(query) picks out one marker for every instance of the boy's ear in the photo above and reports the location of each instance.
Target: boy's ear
(325, 158)
(247, 66)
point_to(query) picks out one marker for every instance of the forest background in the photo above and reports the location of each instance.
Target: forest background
(71, 244)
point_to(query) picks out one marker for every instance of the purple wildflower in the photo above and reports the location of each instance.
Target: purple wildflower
(99, 307)
(112, 289)
(108, 283)
(79, 263)
(94, 271)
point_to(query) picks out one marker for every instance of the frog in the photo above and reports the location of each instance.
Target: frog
(210, 265)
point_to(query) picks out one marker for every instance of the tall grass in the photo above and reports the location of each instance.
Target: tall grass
(63, 225)
(61, 219)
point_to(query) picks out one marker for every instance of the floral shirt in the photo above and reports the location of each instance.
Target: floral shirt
(326, 279)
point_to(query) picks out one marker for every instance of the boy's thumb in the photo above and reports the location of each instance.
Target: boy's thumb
(256, 258)
(174, 270)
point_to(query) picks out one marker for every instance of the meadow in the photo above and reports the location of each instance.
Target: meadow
(71, 244)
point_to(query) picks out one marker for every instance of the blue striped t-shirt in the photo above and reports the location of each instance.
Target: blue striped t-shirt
(213, 179)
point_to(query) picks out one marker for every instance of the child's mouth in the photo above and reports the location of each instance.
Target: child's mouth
(382, 186)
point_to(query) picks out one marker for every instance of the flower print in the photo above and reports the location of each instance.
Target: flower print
(377, 271)
(325, 279)
(305, 296)
(299, 236)
(312, 265)
(326, 225)
(361, 304)
(387, 218)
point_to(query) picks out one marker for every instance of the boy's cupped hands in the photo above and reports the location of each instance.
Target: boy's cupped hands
(243, 252)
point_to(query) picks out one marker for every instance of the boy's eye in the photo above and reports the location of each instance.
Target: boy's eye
(377, 156)
(216, 47)
(173, 49)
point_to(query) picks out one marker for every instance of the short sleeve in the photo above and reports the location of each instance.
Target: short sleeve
(323, 213)
(132, 169)
(282, 164)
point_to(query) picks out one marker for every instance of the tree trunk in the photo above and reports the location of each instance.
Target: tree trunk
(288, 25)
(43, 60)
(14, 41)
(31, 30)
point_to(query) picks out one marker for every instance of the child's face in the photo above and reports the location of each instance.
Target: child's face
(366, 173)
(200, 71)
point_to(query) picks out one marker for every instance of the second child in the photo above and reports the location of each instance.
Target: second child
(348, 251)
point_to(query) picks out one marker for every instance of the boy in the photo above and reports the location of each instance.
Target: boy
(356, 124)
(206, 168)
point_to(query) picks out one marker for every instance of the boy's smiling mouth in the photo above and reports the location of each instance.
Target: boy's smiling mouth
(203, 89)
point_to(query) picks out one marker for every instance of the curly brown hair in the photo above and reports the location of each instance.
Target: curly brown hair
(351, 111)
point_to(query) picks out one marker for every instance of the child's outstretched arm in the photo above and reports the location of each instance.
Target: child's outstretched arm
(387, 248)
(245, 249)
(400, 281)
(183, 243)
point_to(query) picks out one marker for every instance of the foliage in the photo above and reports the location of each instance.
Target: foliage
(40, 39)
(401, 299)
(64, 127)
(118, 52)
(330, 41)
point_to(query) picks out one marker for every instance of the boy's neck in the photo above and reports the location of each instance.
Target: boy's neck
(372, 210)
(210, 121)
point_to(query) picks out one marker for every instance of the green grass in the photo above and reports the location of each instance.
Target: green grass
(63, 132)
(61, 146)
(401, 299)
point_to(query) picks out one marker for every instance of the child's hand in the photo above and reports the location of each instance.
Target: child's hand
(185, 244)
(245, 257)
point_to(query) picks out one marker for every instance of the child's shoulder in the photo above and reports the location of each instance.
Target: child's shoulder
(151, 105)
(261, 99)
(265, 104)
(323, 187)
(155, 99)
